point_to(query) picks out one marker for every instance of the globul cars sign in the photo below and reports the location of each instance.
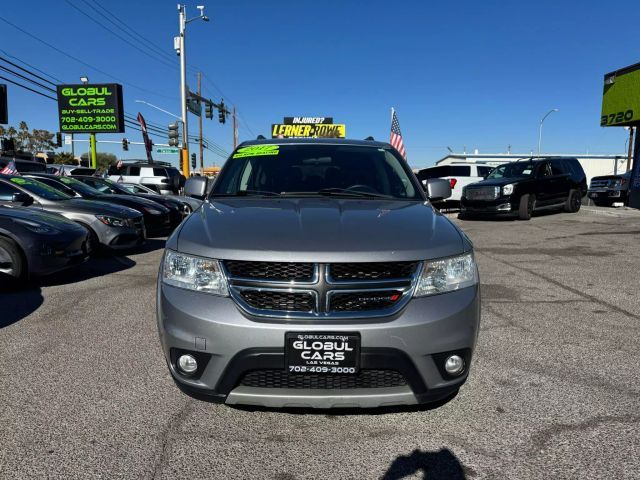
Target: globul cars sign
(91, 108)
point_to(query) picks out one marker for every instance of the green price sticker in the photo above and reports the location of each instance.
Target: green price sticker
(19, 181)
(257, 151)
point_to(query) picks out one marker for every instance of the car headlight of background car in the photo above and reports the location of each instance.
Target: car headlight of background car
(507, 189)
(446, 275)
(113, 221)
(194, 273)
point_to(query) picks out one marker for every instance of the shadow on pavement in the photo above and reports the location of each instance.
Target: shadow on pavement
(433, 466)
(19, 304)
(150, 245)
(95, 267)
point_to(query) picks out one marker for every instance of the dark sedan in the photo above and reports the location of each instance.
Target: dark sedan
(176, 210)
(38, 243)
(157, 218)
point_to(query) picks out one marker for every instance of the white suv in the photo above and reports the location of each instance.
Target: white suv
(459, 176)
(162, 177)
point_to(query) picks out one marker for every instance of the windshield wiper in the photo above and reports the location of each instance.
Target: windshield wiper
(247, 193)
(337, 192)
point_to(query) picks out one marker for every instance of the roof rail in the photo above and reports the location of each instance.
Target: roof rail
(260, 137)
(370, 138)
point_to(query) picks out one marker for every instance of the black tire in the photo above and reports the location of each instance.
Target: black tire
(12, 264)
(527, 206)
(93, 242)
(574, 202)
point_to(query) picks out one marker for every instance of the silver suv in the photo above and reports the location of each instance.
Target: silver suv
(317, 274)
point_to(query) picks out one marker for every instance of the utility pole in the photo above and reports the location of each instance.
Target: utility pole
(200, 118)
(179, 45)
(630, 153)
(235, 129)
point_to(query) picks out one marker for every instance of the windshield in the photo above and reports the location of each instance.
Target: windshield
(40, 189)
(82, 188)
(512, 170)
(312, 170)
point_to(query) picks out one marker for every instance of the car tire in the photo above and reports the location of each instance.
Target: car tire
(12, 264)
(527, 206)
(93, 242)
(574, 202)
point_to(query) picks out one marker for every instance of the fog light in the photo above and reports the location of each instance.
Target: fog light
(504, 207)
(454, 365)
(187, 364)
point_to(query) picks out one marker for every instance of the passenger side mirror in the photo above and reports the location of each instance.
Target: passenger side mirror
(438, 189)
(196, 187)
(22, 198)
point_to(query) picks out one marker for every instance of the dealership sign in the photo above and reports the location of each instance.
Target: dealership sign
(621, 97)
(91, 108)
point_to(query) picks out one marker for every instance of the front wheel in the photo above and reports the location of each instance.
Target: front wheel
(12, 265)
(527, 205)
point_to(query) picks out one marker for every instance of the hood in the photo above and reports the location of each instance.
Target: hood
(160, 199)
(132, 201)
(93, 207)
(39, 216)
(317, 230)
(499, 182)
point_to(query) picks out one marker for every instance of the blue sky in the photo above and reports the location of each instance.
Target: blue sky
(466, 73)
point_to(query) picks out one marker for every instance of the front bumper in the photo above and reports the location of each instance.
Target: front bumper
(504, 205)
(606, 194)
(119, 238)
(54, 254)
(232, 343)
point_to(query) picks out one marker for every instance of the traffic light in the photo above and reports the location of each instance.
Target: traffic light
(222, 112)
(208, 110)
(174, 136)
(58, 139)
(125, 144)
(193, 160)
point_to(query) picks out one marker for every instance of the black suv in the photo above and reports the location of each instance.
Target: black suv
(519, 188)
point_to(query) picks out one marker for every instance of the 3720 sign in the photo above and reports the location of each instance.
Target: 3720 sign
(91, 108)
(616, 118)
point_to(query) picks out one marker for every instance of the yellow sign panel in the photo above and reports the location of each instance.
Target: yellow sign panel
(321, 130)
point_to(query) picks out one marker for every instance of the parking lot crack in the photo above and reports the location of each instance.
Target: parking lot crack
(166, 436)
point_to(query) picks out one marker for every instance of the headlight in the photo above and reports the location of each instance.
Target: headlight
(194, 273)
(507, 189)
(38, 227)
(446, 275)
(152, 211)
(113, 221)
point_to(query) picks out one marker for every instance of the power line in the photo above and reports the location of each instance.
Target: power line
(27, 88)
(25, 78)
(29, 65)
(160, 60)
(82, 62)
(27, 71)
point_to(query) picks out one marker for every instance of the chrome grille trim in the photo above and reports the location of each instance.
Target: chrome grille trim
(322, 289)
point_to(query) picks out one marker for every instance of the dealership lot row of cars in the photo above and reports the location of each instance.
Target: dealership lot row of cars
(50, 222)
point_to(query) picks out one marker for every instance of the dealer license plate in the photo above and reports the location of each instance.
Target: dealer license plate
(332, 353)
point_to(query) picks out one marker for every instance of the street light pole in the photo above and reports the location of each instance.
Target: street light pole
(540, 128)
(179, 44)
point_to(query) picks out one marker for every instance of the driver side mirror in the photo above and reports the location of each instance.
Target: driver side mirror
(22, 198)
(438, 189)
(196, 187)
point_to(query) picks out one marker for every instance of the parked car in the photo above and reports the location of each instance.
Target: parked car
(522, 187)
(459, 175)
(110, 226)
(23, 166)
(57, 169)
(189, 204)
(606, 190)
(38, 243)
(177, 211)
(160, 176)
(157, 220)
(318, 274)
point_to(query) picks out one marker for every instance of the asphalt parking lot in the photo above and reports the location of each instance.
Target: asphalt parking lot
(554, 391)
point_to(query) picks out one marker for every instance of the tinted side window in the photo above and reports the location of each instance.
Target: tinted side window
(6, 192)
(482, 171)
(544, 170)
(460, 171)
(159, 172)
(445, 171)
(577, 173)
(134, 171)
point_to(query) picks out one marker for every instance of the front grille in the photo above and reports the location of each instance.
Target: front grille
(275, 271)
(362, 301)
(279, 300)
(601, 183)
(482, 193)
(372, 271)
(283, 379)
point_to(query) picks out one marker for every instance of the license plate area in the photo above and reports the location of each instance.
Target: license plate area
(322, 353)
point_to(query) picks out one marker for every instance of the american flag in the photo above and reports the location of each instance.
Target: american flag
(120, 164)
(60, 171)
(10, 169)
(396, 136)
